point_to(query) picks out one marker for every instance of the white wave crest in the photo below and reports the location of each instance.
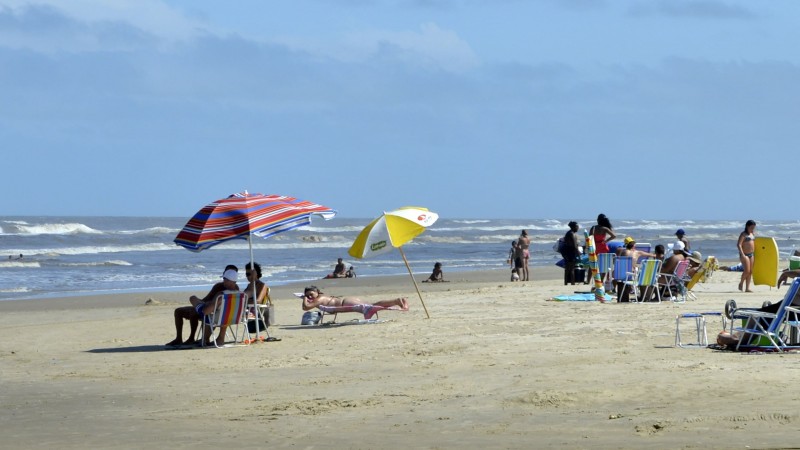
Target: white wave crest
(98, 264)
(152, 231)
(91, 250)
(14, 290)
(51, 228)
(19, 264)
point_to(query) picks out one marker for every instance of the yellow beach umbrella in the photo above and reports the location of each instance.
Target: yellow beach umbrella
(391, 230)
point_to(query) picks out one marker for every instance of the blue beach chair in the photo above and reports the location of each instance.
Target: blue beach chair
(766, 328)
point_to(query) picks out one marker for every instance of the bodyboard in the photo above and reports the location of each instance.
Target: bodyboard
(766, 262)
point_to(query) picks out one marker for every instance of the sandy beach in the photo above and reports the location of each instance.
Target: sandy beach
(496, 366)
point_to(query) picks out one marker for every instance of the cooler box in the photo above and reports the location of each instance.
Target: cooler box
(794, 262)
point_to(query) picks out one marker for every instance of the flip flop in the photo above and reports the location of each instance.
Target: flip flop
(272, 339)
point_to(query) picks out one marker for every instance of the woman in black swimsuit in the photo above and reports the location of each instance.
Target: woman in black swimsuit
(747, 248)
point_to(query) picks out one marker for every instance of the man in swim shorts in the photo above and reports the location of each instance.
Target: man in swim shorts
(194, 313)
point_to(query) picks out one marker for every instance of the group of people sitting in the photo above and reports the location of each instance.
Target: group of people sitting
(340, 271)
(571, 252)
(200, 308)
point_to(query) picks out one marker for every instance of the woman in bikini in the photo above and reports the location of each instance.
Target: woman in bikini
(524, 243)
(747, 248)
(313, 298)
(602, 232)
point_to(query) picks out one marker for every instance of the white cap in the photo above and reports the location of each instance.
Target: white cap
(231, 275)
(678, 245)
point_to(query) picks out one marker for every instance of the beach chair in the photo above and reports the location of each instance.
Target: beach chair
(674, 284)
(772, 327)
(646, 276)
(260, 316)
(229, 311)
(605, 264)
(333, 313)
(702, 274)
(622, 274)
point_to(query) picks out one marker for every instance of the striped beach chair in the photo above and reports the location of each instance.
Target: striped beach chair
(647, 278)
(621, 275)
(605, 264)
(230, 313)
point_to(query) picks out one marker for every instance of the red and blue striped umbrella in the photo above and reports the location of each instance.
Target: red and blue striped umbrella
(242, 214)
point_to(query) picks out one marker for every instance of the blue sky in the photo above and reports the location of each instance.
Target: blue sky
(640, 109)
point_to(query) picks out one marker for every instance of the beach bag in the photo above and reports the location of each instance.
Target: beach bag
(558, 245)
(269, 316)
(311, 318)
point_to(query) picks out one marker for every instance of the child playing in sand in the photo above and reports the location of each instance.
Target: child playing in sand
(437, 275)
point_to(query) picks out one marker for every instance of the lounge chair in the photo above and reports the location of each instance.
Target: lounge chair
(766, 328)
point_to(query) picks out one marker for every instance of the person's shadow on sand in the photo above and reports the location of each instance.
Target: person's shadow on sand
(140, 349)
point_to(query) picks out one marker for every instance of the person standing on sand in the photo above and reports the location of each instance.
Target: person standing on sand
(747, 248)
(602, 233)
(524, 243)
(571, 252)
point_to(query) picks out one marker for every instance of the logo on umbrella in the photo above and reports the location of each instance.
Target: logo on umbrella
(377, 246)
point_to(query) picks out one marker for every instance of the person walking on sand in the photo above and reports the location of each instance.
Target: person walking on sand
(747, 248)
(524, 243)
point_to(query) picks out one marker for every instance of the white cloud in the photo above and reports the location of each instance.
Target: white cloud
(429, 47)
(81, 25)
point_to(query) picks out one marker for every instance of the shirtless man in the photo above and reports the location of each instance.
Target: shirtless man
(630, 250)
(678, 255)
(313, 298)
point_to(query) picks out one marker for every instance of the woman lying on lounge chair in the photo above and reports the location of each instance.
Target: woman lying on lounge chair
(313, 298)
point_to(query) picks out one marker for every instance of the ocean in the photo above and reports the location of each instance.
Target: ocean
(65, 256)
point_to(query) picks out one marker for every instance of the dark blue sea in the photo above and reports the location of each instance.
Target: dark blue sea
(63, 256)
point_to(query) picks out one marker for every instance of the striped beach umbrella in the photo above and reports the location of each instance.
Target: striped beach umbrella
(599, 290)
(242, 215)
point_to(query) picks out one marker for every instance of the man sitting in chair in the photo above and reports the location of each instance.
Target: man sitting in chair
(313, 298)
(193, 314)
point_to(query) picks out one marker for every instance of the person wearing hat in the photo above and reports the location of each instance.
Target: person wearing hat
(195, 312)
(630, 250)
(695, 263)
(678, 255)
(682, 237)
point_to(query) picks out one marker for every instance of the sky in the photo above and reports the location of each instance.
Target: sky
(639, 109)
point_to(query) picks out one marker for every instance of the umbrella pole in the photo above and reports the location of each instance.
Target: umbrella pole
(253, 270)
(415, 281)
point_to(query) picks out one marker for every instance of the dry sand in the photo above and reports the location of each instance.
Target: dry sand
(497, 366)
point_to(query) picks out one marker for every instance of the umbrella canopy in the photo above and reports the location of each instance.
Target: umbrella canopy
(599, 291)
(391, 230)
(242, 214)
